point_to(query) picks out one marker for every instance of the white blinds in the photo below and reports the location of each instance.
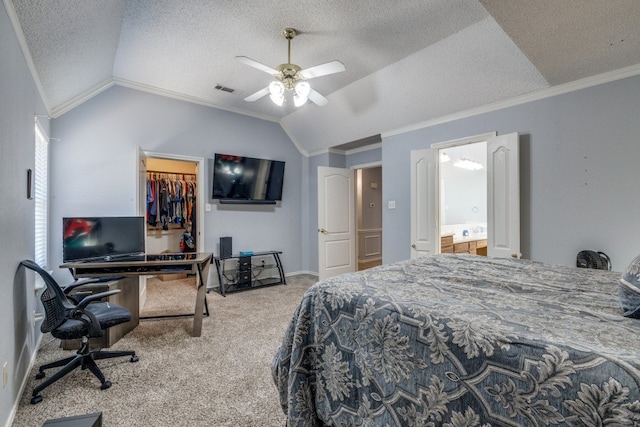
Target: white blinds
(41, 197)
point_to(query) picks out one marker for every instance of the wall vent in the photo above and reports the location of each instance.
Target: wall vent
(225, 89)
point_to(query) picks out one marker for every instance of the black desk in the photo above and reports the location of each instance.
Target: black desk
(151, 264)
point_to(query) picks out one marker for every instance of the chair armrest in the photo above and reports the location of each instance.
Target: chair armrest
(95, 297)
(71, 286)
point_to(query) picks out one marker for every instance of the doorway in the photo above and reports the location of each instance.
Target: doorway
(349, 219)
(171, 205)
(195, 164)
(462, 176)
(368, 216)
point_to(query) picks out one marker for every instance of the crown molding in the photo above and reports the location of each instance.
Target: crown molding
(584, 83)
(84, 96)
(295, 141)
(365, 148)
(101, 87)
(191, 99)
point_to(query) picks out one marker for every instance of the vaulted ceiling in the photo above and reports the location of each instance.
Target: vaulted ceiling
(407, 62)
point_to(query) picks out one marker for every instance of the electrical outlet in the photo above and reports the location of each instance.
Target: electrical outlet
(5, 374)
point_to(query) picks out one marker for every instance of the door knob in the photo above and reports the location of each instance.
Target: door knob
(413, 246)
(322, 230)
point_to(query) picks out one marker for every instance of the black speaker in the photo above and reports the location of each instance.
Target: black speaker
(225, 247)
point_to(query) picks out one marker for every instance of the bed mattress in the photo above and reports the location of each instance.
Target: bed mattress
(461, 340)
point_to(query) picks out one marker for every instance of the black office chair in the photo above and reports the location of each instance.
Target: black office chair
(67, 319)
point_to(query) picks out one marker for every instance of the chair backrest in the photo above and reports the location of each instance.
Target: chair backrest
(592, 259)
(55, 303)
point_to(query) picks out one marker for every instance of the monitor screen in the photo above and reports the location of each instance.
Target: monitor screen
(96, 237)
(247, 178)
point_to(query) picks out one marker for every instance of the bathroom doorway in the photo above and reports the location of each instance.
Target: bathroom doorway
(463, 198)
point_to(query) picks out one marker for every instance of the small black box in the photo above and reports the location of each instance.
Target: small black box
(225, 247)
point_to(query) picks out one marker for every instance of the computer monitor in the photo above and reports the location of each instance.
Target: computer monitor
(96, 237)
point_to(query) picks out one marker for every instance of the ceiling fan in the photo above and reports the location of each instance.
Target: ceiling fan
(291, 77)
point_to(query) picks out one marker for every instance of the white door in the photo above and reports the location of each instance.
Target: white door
(336, 222)
(503, 196)
(424, 209)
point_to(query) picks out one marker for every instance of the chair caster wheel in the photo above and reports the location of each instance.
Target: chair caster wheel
(36, 399)
(40, 375)
(105, 385)
(134, 359)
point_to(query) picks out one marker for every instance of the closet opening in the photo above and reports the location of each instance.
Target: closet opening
(171, 205)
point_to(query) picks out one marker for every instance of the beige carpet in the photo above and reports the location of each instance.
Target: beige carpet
(222, 378)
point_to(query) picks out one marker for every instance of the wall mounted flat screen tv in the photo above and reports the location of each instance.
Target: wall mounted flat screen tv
(102, 237)
(238, 179)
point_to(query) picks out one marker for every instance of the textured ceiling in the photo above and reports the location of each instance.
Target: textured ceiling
(407, 61)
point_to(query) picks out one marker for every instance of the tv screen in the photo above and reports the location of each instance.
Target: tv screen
(247, 178)
(100, 237)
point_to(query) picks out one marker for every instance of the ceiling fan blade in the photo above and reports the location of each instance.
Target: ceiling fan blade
(259, 94)
(322, 69)
(317, 98)
(255, 64)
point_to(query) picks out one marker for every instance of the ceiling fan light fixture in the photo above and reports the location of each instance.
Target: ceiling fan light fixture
(468, 164)
(301, 93)
(303, 88)
(290, 77)
(276, 92)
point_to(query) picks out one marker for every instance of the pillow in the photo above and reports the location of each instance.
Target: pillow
(629, 290)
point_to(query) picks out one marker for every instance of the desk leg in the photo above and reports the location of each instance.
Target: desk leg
(203, 276)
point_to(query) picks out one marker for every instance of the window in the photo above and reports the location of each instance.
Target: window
(41, 196)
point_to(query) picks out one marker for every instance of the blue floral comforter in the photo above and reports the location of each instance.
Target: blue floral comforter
(461, 340)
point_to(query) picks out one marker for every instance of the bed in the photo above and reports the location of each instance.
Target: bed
(461, 340)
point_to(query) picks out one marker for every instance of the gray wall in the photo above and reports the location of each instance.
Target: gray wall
(94, 166)
(578, 168)
(366, 157)
(19, 102)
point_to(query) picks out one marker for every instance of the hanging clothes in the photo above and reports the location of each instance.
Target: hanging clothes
(170, 198)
